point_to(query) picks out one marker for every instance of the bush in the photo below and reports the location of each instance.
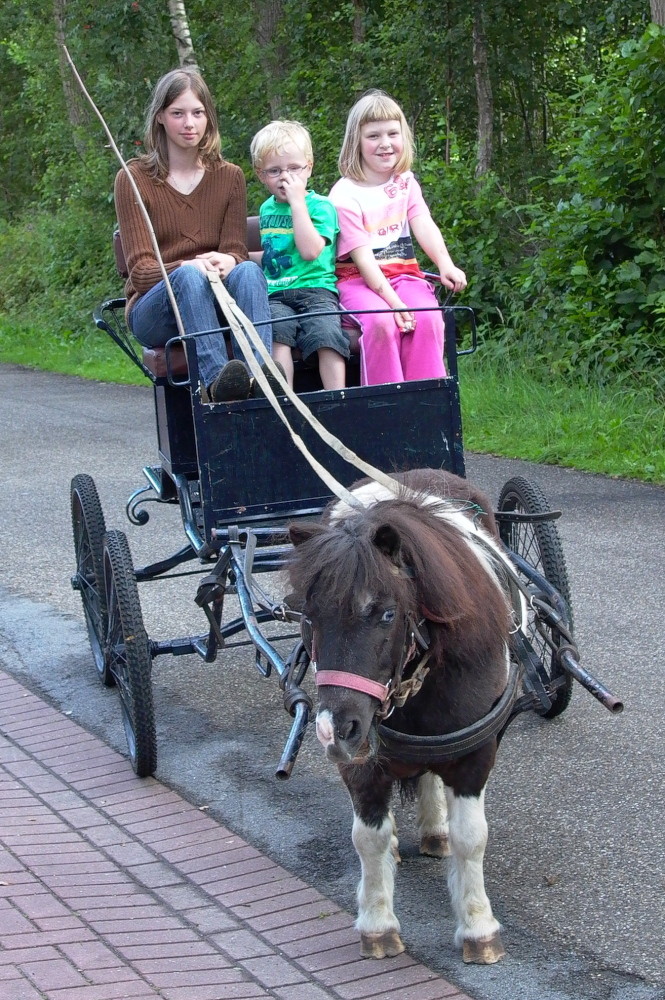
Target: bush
(592, 298)
(55, 267)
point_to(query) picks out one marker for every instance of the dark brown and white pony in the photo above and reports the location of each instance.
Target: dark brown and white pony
(408, 588)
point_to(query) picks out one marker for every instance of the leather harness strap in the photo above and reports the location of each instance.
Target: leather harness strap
(436, 749)
(342, 678)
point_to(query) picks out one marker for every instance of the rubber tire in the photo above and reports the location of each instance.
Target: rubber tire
(89, 529)
(128, 653)
(540, 545)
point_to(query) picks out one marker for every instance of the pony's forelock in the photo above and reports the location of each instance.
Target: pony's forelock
(344, 560)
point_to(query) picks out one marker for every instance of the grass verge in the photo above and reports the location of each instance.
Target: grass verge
(614, 431)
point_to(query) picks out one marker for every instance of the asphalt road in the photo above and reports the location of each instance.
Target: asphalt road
(574, 866)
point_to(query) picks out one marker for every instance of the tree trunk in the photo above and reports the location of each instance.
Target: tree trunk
(483, 92)
(76, 111)
(358, 21)
(181, 33)
(658, 12)
(273, 54)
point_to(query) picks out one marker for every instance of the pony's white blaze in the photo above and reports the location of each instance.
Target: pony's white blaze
(364, 602)
(468, 837)
(325, 729)
(475, 536)
(377, 880)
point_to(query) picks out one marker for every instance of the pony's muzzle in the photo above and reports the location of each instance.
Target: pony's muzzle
(341, 735)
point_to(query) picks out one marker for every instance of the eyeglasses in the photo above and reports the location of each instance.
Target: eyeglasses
(275, 172)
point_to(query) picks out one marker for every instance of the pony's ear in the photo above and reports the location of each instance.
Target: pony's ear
(388, 541)
(299, 533)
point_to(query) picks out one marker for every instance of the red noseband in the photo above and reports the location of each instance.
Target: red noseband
(340, 678)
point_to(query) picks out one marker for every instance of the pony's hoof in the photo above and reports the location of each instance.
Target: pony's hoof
(483, 951)
(385, 945)
(435, 846)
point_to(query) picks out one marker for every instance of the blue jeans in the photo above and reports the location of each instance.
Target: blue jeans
(152, 321)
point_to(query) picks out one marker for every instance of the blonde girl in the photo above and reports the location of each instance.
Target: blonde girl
(379, 204)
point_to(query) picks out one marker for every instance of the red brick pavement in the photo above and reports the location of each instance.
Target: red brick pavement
(113, 888)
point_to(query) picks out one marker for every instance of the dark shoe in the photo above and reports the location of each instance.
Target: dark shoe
(233, 382)
(258, 392)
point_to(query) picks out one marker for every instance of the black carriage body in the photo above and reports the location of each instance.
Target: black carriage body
(250, 469)
(238, 458)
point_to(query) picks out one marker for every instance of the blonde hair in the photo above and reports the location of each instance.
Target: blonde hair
(167, 90)
(272, 138)
(373, 106)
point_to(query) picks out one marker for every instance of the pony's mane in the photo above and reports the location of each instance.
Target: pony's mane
(436, 571)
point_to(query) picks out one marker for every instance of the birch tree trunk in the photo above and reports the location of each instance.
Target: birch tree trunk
(658, 12)
(484, 96)
(181, 33)
(76, 111)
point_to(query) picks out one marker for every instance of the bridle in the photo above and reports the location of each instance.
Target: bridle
(423, 750)
(393, 694)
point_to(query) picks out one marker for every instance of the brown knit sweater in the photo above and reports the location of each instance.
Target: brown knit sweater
(212, 217)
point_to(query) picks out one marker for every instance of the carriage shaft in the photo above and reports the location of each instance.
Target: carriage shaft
(587, 680)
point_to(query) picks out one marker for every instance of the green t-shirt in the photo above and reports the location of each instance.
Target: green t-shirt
(282, 264)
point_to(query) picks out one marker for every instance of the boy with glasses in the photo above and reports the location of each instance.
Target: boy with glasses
(298, 236)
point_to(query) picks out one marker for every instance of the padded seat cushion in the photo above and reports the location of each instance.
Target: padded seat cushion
(154, 358)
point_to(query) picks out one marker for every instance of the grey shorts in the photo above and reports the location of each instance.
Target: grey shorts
(308, 333)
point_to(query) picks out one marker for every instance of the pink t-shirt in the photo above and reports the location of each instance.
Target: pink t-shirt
(377, 216)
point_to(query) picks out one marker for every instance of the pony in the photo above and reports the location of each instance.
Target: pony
(406, 617)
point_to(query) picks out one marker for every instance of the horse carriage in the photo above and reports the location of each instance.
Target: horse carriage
(429, 619)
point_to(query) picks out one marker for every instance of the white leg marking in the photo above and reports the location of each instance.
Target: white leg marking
(468, 837)
(432, 815)
(377, 880)
(394, 840)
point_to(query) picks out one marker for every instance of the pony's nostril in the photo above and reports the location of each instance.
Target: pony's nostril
(347, 730)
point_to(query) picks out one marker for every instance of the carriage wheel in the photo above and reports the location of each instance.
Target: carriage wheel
(89, 528)
(540, 545)
(128, 653)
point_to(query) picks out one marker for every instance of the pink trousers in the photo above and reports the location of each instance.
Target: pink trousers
(387, 354)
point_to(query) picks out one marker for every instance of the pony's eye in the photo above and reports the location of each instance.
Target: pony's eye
(388, 617)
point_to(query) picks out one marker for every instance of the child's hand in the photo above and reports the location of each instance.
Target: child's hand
(294, 187)
(454, 278)
(405, 320)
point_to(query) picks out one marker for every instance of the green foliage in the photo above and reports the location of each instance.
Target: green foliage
(593, 292)
(55, 266)
(564, 421)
